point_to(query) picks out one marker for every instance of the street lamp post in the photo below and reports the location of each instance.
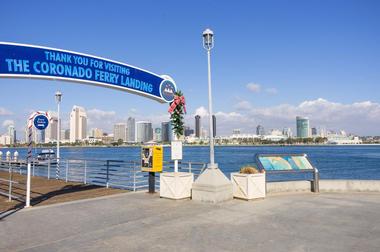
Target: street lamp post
(58, 98)
(208, 44)
(211, 185)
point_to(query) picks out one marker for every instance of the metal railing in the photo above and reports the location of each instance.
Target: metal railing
(109, 173)
(8, 186)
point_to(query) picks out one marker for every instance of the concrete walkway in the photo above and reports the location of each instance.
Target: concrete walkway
(143, 222)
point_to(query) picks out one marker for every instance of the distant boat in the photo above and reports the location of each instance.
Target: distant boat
(46, 156)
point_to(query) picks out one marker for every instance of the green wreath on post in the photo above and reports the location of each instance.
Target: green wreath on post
(177, 109)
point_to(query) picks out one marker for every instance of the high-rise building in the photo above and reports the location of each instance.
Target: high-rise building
(303, 127)
(198, 126)
(38, 136)
(67, 134)
(213, 125)
(275, 132)
(322, 132)
(166, 132)
(144, 131)
(236, 131)
(51, 134)
(96, 133)
(188, 131)
(157, 134)
(78, 124)
(314, 131)
(204, 133)
(131, 130)
(119, 132)
(287, 132)
(5, 140)
(260, 131)
(12, 134)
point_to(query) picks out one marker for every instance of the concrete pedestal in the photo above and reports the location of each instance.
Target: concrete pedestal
(212, 186)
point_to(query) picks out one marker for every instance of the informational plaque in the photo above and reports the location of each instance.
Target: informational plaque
(285, 162)
(177, 150)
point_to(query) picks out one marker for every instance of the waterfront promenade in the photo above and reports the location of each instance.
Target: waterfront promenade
(144, 222)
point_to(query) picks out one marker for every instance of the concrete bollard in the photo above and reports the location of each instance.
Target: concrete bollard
(8, 156)
(15, 156)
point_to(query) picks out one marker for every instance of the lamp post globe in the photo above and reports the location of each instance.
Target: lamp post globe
(58, 96)
(208, 39)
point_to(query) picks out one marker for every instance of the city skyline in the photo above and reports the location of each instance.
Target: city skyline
(325, 67)
(126, 130)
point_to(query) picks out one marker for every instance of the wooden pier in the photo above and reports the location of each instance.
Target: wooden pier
(45, 191)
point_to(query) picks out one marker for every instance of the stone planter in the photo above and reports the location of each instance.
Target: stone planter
(176, 185)
(248, 186)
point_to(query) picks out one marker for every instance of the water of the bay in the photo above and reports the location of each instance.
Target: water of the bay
(333, 162)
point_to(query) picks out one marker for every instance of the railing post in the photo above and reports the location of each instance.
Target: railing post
(107, 178)
(67, 169)
(33, 167)
(189, 167)
(134, 176)
(10, 184)
(316, 181)
(49, 169)
(85, 171)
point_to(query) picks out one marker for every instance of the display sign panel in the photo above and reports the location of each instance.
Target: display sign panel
(285, 162)
(28, 61)
(176, 150)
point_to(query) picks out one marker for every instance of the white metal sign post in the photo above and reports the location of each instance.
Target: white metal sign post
(40, 120)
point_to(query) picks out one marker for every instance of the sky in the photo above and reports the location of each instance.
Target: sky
(272, 60)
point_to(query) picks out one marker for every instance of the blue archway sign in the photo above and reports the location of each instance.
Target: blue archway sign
(30, 61)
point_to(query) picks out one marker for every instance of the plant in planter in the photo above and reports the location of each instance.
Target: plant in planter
(249, 183)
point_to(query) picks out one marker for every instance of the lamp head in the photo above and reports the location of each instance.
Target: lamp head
(58, 96)
(208, 39)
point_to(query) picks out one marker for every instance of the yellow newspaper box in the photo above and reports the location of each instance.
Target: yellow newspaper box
(152, 158)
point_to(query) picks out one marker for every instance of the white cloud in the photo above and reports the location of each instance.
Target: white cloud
(201, 111)
(132, 111)
(360, 118)
(254, 87)
(5, 112)
(243, 105)
(271, 91)
(105, 120)
(97, 113)
(6, 123)
(155, 119)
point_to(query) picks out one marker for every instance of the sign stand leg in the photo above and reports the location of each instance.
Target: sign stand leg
(176, 165)
(151, 182)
